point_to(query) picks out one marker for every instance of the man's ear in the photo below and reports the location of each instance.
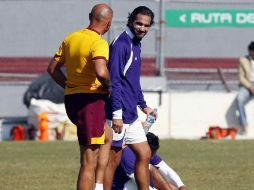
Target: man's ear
(129, 24)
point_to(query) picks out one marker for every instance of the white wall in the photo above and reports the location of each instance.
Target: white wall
(188, 115)
(11, 100)
(182, 115)
(162, 126)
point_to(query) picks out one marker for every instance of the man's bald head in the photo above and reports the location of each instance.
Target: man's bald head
(101, 12)
(101, 18)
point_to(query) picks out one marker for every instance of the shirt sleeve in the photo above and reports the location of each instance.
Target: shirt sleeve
(60, 54)
(243, 72)
(169, 173)
(116, 64)
(156, 159)
(141, 100)
(100, 50)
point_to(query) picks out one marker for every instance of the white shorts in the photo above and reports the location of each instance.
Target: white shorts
(131, 133)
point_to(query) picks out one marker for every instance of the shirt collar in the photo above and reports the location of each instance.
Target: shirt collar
(128, 31)
(94, 30)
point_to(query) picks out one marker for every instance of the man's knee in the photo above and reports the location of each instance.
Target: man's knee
(145, 156)
(115, 156)
(89, 156)
(144, 153)
(240, 100)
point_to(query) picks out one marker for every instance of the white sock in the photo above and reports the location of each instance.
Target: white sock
(98, 186)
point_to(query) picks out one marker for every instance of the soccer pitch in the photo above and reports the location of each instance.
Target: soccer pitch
(202, 164)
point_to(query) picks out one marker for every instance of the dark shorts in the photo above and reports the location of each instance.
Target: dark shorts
(87, 112)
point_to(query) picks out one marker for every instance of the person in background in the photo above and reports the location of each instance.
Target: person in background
(126, 95)
(43, 88)
(85, 54)
(246, 89)
(162, 176)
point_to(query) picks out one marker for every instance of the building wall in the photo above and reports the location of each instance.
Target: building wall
(181, 115)
(36, 28)
(189, 115)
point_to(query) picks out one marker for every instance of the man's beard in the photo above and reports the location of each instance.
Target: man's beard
(136, 38)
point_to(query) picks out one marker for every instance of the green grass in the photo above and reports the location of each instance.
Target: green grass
(202, 165)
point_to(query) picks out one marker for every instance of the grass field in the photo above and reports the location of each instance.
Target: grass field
(202, 165)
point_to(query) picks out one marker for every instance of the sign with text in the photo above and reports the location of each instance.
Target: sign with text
(209, 18)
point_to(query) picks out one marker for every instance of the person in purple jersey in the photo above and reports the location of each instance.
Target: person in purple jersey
(162, 176)
(124, 66)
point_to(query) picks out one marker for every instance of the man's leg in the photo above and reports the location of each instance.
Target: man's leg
(143, 155)
(242, 98)
(88, 163)
(114, 160)
(103, 158)
(114, 157)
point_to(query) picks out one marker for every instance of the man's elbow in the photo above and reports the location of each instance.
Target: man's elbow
(51, 68)
(50, 71)
(103, 74)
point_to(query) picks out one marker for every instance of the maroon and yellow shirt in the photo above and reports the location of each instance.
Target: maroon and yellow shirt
(77, 52)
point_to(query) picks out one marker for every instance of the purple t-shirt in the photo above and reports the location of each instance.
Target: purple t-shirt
(124, 67)
(127, 166)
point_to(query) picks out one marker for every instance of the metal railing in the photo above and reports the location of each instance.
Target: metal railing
(212, 76)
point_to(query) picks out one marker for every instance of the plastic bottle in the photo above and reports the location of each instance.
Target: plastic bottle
(150, 120)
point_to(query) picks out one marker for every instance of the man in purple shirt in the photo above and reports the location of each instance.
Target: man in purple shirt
(124, 178)
(124, 66)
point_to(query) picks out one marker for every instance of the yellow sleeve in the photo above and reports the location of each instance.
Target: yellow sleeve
(100, 49)
(59, 55)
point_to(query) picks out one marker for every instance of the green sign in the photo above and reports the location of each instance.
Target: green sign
(209, 18)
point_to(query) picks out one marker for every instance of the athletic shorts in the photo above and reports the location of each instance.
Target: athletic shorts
(131, 134)
(87, 112)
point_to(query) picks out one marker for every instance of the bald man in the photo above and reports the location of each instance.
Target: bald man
(85, 54)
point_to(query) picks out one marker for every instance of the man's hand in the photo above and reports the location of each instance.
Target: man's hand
(100, 87)
(117, 125)
(148, 110)
(183, 188)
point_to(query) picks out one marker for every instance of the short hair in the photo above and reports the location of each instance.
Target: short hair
(251, 46)
(140, 10)
(153, 141)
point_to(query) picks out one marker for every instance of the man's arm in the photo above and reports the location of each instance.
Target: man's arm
(54, 69)
(116, 67)
(142, 103)
(159, 180)
(170, 174)
(102, 72)
(244, 71)
(243, 62)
